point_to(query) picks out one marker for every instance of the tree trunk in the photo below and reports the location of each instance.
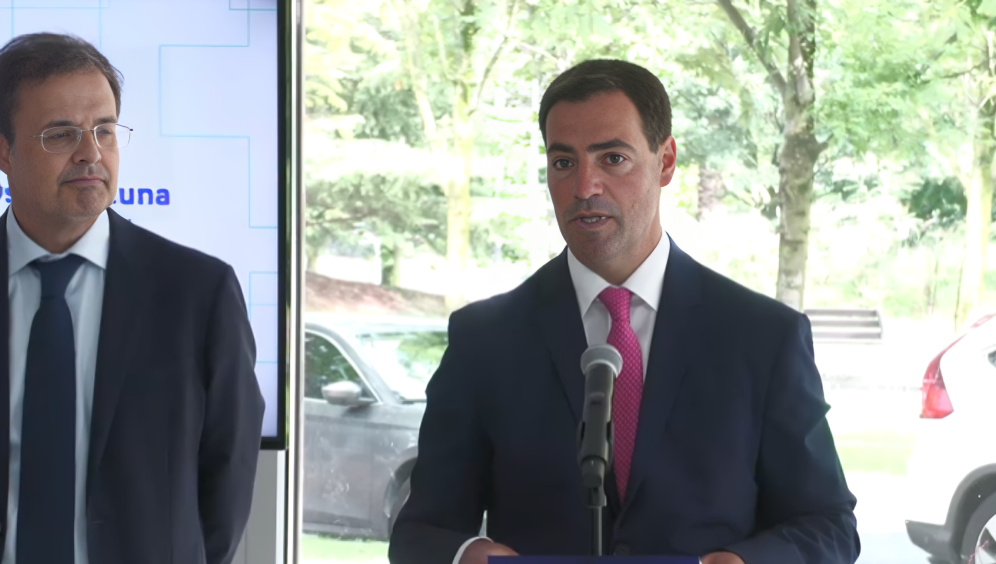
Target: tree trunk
(800, 149)
(797, 159)
(795, 191)
(390, 264)
(979, 194)
(710, 191)
(310, 257)
(933, 280)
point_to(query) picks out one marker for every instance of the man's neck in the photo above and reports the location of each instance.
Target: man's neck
(54, 238)
(618, 270)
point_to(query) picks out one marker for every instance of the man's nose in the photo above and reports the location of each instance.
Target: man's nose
(587, 182)
(87, 151)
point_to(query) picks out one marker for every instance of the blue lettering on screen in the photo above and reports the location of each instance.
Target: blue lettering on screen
(145, 196)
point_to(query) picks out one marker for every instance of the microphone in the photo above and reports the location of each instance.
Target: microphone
(600, 364)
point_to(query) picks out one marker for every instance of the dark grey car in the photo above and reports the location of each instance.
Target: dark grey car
(364, 395)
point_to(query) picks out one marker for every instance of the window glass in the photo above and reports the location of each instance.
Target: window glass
(406, 360)
(324, 364)
(840, 165)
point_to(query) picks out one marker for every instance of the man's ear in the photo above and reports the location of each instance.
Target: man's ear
(668, 155)
(5, 153)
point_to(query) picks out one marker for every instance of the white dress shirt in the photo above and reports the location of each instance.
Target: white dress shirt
(645, 283)
(85, 297)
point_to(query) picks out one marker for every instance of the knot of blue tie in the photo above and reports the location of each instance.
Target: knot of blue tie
(56, 274)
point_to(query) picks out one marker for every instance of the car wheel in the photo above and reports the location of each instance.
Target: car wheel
(979, 530)
(399, 501)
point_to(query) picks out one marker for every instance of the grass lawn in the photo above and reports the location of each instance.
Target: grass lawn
(883, 452)
(315, 548)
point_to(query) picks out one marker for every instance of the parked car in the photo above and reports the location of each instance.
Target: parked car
(985, 548)
(364, 395)
(952, 471)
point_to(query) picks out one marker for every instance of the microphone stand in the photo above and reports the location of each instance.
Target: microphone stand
(595, 454)
(600, 364)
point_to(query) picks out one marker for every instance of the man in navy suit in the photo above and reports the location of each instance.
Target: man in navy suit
(130, 400)
(722, 449)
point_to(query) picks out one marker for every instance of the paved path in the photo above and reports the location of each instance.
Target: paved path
(881, 523)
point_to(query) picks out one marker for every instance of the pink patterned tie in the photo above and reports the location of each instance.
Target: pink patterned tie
(629, 385)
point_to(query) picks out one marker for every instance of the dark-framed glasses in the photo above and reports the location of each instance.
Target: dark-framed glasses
(65, 138)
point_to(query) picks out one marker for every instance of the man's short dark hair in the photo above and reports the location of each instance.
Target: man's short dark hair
(597, 76)
(38, 56)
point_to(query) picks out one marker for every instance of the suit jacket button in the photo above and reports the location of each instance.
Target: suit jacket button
(622, 549)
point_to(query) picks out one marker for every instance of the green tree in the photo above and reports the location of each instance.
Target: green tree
(971, 67)
(793, 24)
(458, 43)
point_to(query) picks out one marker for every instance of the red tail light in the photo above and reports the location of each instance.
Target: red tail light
(935, 403)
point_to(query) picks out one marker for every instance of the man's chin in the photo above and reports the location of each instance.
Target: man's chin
(87, 207)
(592, 250)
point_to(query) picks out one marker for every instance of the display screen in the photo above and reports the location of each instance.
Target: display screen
(200, 91)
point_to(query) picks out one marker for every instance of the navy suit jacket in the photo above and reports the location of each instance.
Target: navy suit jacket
(733, 450)
(177, 412)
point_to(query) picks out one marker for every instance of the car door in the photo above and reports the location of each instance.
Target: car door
(337, 443)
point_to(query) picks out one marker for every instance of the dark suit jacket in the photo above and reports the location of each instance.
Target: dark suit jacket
(733, 450)
(177, 412)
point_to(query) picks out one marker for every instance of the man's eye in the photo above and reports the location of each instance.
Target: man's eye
(615, 159)
(561, 163)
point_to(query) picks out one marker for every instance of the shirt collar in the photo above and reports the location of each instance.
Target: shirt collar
(22, 250)
(646, 282)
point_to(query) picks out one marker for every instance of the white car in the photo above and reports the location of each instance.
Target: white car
(951, 474)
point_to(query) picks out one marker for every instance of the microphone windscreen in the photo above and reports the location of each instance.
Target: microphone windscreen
(602, 354)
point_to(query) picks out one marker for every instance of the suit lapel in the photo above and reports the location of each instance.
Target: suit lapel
(677, 340)
(120, 316)
(5, 363)
(559, 317)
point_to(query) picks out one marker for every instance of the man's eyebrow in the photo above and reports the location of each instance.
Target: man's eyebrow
(611, 144)
(59, 123)
(67, 123)
(593, 148)
(560, 148)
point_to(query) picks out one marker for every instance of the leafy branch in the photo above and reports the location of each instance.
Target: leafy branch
(750, 36)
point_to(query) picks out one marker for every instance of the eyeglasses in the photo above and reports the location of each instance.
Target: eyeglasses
(65, 138)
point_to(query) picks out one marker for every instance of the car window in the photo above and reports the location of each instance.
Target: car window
(405, 359)
(324, 364)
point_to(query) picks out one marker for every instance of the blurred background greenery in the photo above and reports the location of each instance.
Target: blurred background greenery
(832, 153)
(835, 153)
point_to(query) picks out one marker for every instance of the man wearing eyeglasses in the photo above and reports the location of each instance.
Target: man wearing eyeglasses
(132, 410)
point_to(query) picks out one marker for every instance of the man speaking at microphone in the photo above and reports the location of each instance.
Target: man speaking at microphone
(721, 446)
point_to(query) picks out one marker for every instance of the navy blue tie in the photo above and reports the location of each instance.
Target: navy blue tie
(47, 500)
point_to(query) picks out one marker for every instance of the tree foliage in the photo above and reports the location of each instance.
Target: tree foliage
(777, 103)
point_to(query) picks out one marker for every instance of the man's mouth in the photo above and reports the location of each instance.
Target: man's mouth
(593, 219)
(86, 181)
(591, 222)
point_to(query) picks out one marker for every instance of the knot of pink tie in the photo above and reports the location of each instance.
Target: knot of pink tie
(628, 391)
